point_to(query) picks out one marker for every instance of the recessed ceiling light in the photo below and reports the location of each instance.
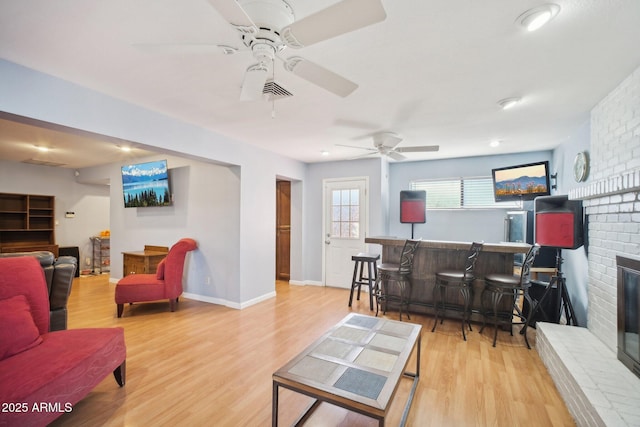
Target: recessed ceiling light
(42, 148)
(507, 103)
(495, 143)
(124, 148)
(535, 18)
(324, 153)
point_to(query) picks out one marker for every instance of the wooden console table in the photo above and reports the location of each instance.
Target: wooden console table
(356, 365)
(143, 262)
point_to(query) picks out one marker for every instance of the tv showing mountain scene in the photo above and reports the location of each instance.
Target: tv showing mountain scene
(521, 182)
(146, 184)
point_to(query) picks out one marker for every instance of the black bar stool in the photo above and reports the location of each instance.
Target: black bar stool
(398, 274)
(514, 286)
(358, 280)
(463, 281)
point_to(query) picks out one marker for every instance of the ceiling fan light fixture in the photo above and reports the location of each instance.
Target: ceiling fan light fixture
(508, 103)
(534, 19)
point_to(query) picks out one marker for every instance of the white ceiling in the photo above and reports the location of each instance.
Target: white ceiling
(433, 72)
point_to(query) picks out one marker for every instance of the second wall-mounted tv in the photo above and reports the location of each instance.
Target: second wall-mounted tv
(521, 182)
(146, 184)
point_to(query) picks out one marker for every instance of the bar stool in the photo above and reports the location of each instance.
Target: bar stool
(361, 260)
(460, 279)
(398, 274)
(514, 286)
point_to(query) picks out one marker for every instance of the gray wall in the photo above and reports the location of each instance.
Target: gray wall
(575, 266)
(316, 173)
(22, 91)
(459, 225)
(89, 202)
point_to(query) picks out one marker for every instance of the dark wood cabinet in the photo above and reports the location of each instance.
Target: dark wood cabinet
(27, 223)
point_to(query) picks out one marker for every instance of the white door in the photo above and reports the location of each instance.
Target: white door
(345, 227)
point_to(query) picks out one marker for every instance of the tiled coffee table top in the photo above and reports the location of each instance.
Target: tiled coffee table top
(361, 358)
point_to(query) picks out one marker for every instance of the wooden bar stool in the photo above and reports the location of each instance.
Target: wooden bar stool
(362, 260)
(459, 279)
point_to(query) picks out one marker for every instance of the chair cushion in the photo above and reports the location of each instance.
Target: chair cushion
(450, 275)
(502, 279)
(363, 256)
(160, 269)
(19, 332)
(138, 288)
(63, 369)
(388, 267)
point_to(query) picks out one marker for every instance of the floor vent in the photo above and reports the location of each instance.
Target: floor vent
(274, 91)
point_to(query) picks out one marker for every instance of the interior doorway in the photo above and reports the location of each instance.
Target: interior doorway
(283, 230)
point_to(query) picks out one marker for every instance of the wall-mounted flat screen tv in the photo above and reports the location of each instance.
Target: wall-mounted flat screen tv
(146, 184)
(521, 182)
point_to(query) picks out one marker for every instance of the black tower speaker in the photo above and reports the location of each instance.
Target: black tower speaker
(558, 222)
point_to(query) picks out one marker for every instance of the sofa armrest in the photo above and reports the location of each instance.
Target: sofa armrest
(64, 272)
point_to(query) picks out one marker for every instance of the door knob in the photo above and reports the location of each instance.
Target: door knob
(327, 242)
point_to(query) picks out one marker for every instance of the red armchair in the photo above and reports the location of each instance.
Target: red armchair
(166, 283)
(38, 367)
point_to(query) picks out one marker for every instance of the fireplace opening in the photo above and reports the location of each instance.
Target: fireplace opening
(628, 318)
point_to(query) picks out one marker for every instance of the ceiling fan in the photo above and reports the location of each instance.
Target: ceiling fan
(386, 144)
(268, 27)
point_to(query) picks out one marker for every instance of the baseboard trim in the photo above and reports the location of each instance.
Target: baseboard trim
(305, 283)
(227, 303)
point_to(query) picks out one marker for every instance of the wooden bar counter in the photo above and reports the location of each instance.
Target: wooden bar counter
(435, 255)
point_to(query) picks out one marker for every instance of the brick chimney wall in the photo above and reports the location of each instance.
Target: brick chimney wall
(612, 201)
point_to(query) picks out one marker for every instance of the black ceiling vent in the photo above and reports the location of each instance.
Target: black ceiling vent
(274, 91)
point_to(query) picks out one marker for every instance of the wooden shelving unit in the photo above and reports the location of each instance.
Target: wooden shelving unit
(27, 223)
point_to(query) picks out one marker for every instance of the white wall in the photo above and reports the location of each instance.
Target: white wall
(89, 202)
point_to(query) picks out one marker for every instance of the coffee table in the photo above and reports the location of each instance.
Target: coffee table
(356, 365)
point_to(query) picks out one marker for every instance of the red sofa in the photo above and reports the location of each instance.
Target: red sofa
(43, 374)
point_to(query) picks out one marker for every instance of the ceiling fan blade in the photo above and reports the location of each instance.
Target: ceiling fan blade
(362, 156)
(231, 11)
(361, 148)
(320, 76)
(340, 18)
(422, 149)
(253, 84)
(186, 48)
(396, 156)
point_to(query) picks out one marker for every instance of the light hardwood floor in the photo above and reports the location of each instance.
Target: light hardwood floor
(210, 365)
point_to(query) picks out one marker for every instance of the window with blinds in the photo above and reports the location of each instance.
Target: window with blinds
(460, 193)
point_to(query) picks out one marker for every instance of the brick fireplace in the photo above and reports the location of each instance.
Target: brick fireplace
(597, 388)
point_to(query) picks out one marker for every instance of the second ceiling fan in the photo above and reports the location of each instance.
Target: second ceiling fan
(386, 144)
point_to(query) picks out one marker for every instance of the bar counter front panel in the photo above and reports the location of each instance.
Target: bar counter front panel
(435, 255)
